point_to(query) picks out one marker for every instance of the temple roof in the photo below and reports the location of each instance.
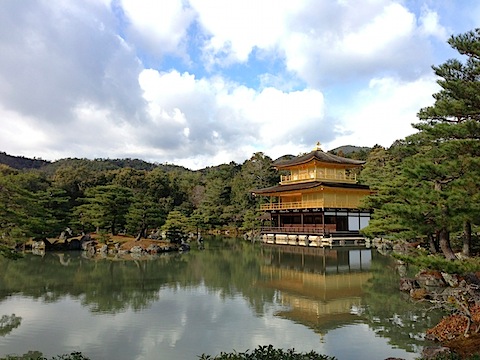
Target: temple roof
(319, 155)
(306, 186)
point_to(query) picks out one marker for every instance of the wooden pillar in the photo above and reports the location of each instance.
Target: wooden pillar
(323, 220)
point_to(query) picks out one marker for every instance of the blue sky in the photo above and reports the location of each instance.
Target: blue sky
(203, 82)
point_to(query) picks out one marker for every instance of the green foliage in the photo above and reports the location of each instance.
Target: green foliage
(105, 207)
(101, 194)
(9, 253)
(35, 355)
(255, 173)
(28, 206)
(8, 323)
(268, 353)
(436, 262)
(352, 152)
(458, 100)
(452, 356)
(144, 214)
(176, 227)
(103, 237)
(215, 206)
(72, 356)
(76, 176)
(426, 184)
(251, 219)
(21, 162)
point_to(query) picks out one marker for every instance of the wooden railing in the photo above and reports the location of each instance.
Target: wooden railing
(314, 204)
(293, 205)
(298, 229)
(341, 177)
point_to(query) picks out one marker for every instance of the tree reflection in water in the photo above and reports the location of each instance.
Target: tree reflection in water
(323, 289)
(8, 323)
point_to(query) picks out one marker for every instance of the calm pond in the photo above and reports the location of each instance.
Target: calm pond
(231, 296)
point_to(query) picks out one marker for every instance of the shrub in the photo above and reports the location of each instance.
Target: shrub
(268, 353)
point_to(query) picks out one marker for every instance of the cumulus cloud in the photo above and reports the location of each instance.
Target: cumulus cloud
(200, 83)
(58, 57)
(430, 25)
(320, 40)
(384, 112)
(159, 27)
(223, 119)
(364, 41)
(234, 28)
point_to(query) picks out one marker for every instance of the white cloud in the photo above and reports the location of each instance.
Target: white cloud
(235, 27)
(225, 121)
(354, 42)
(384, 112)
(227, 78)
(318, 39)
(158, 26)
(27, 137)
(375, 37)
(60, 57)
(430, 25)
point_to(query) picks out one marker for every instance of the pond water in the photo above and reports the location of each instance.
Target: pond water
(231, 296)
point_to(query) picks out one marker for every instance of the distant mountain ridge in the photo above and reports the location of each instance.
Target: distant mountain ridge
(23, 163)
(348, 149)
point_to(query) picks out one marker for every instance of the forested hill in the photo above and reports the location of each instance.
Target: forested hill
(23, 163)
(109, 164)
(20, 162)
(348, 151)
(353, 152)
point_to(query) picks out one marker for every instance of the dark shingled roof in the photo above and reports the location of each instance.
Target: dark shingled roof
(318, 155)
(308, 185)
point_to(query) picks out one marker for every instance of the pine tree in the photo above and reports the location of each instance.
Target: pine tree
(429, 188)
(105, 207)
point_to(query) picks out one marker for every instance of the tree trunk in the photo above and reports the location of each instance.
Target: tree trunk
(444, 241)
(433, 244)
(467, 238)
(443, 233)
(141, 233)
(113, 226)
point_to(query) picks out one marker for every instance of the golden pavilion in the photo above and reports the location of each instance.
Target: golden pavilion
(317, 200)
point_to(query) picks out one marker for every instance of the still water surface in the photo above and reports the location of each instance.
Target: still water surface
(231, 296)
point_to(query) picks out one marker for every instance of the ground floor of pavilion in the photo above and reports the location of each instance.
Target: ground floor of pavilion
(314, 227)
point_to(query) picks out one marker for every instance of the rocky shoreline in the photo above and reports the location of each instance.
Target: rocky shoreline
(458, 333)
(118, 246)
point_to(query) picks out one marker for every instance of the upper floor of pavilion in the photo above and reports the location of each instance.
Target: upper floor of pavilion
(319, 166)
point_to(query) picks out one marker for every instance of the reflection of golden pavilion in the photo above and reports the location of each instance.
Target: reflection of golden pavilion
(319, 300)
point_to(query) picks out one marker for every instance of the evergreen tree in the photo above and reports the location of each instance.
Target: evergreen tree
(430, 189)
(144, 214)
(24, 211)
(176, 227)
(105, 207)
(452, 124)
(215, 207)
(255, 173)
